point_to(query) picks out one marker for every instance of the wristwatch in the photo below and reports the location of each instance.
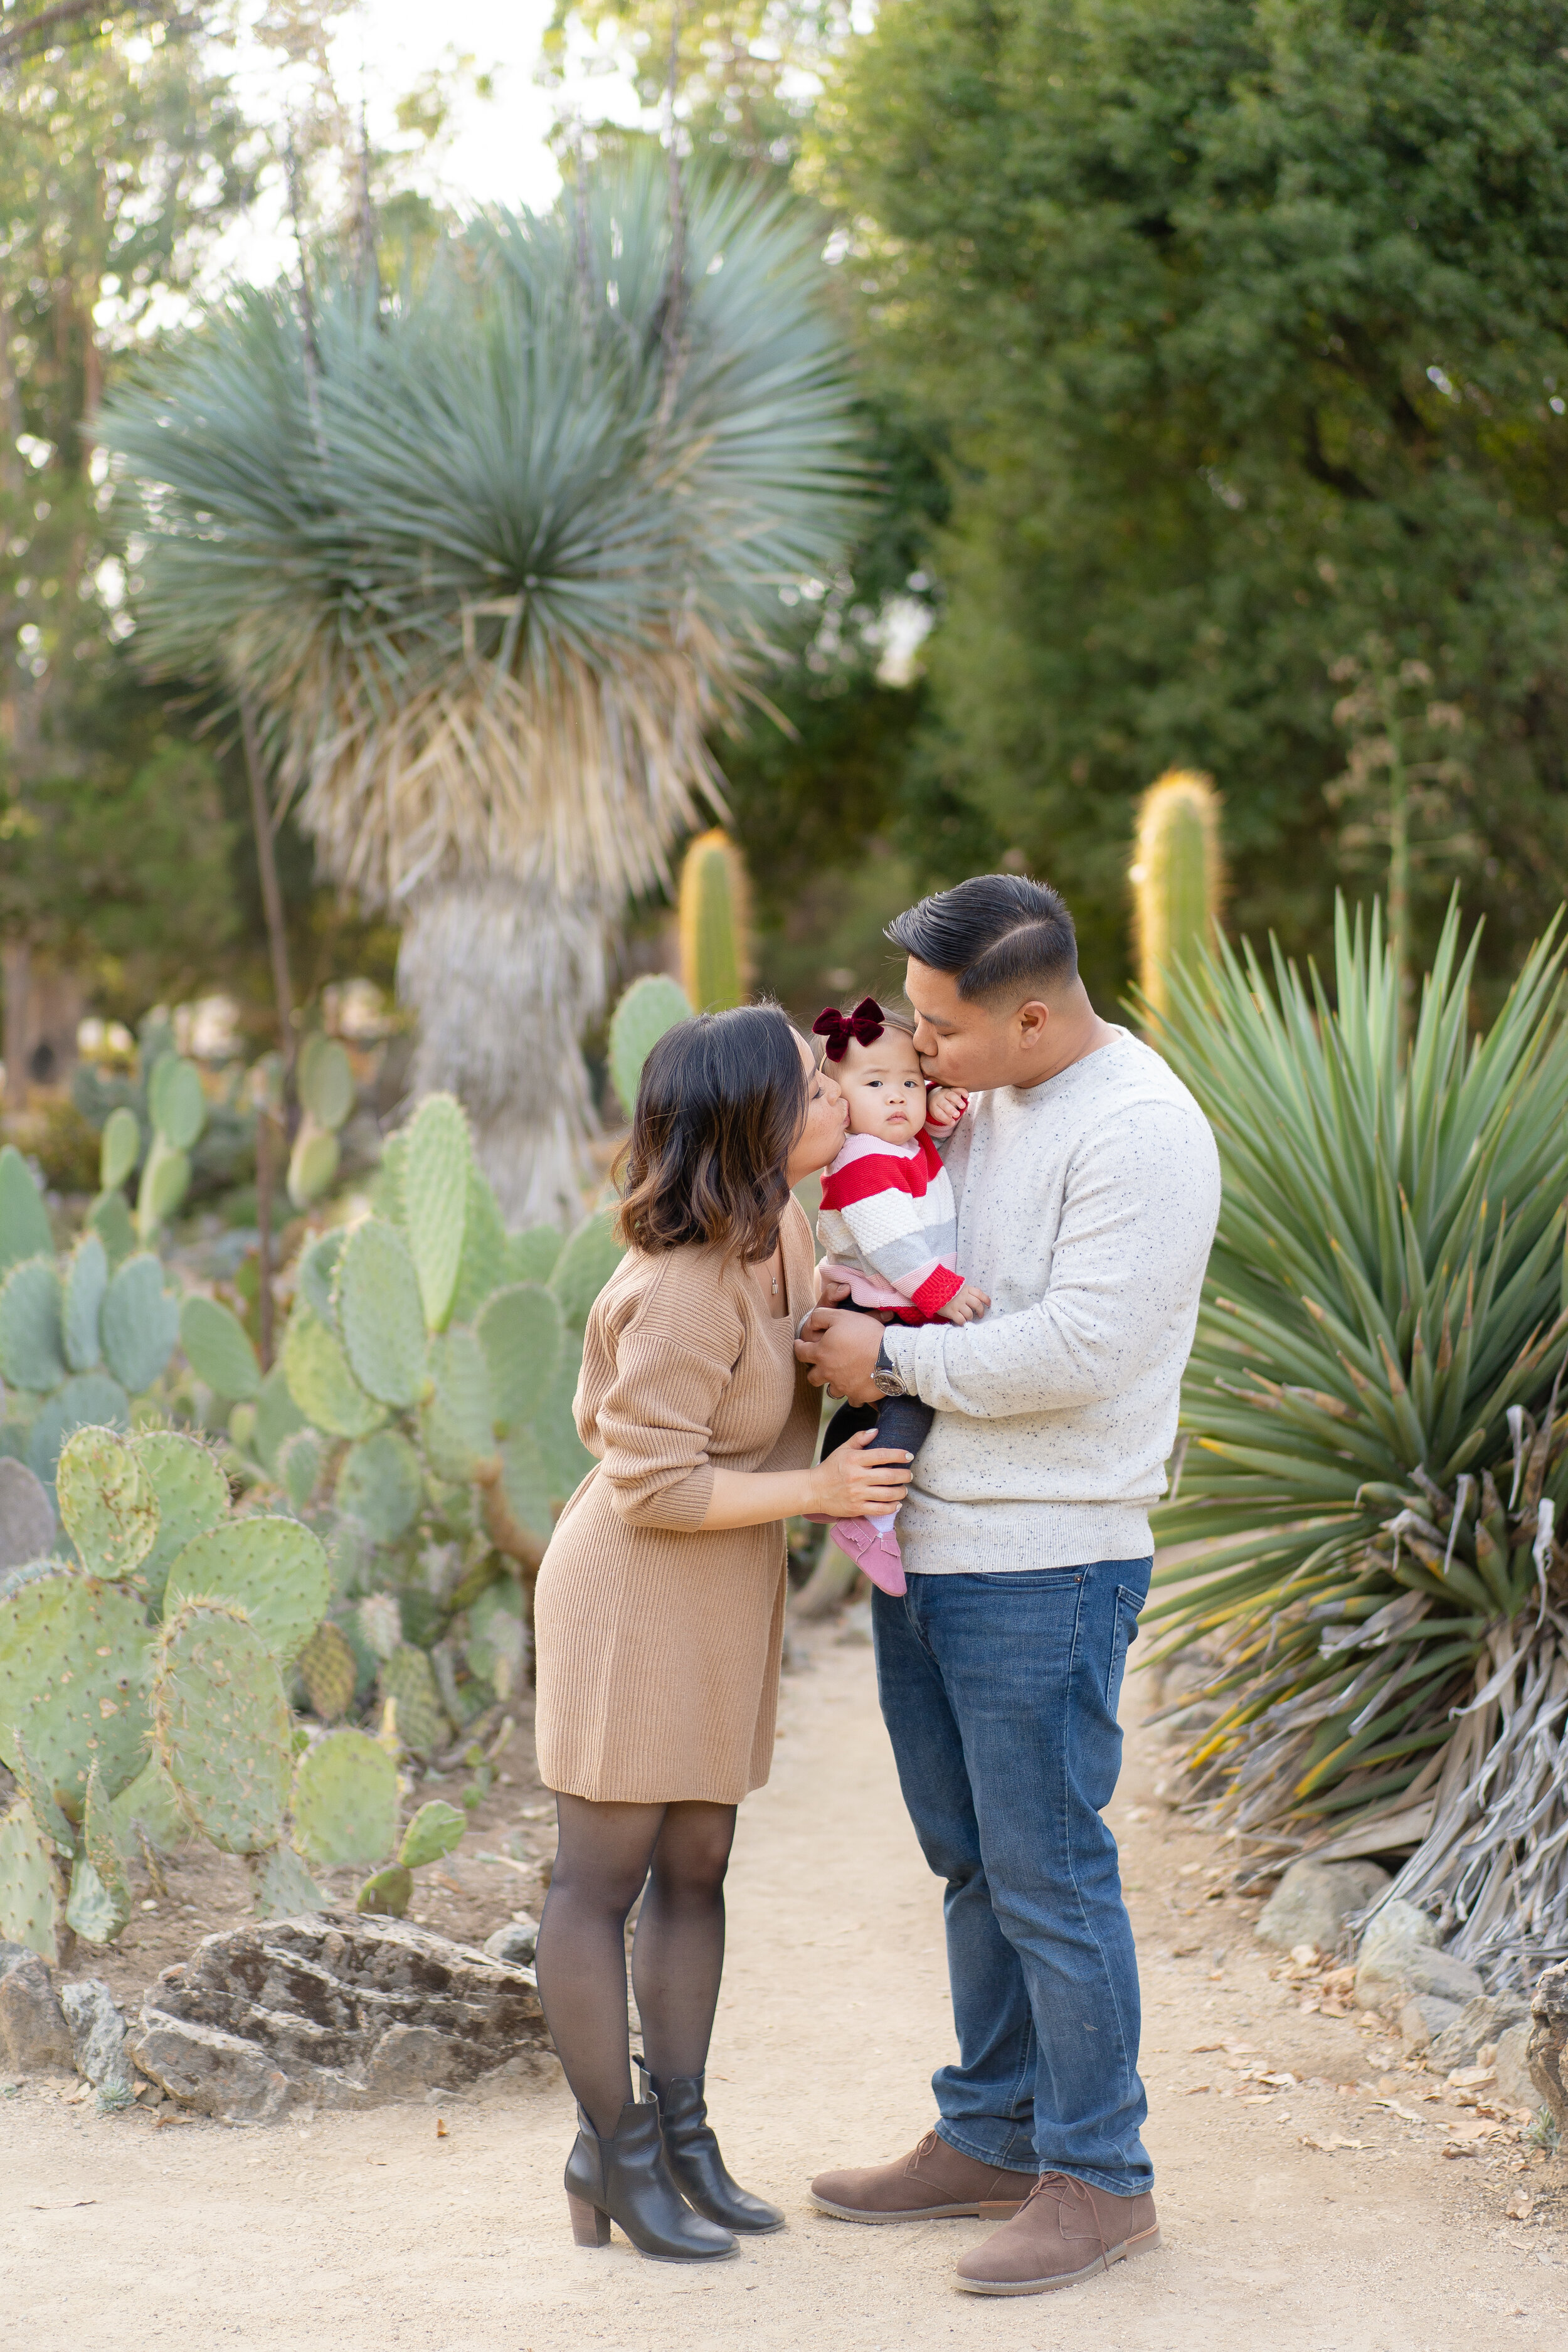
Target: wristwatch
(886, 1374)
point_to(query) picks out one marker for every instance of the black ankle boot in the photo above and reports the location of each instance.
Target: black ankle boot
(627, 2179)
(696, 2165)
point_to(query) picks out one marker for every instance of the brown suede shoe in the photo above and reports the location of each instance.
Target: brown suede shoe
(1065, 2232)
(931, 2184)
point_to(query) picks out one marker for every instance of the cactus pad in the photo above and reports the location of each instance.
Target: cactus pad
(312, 1163)
(176, 1103)
(567, 1460)
(326, 1080)
(434, 1831)
(139, 1324)
(32, 1344)
(486, 1263)
(329, 1672)
(387, 1894)
(221, 1724)
(389, 1181)
(409, 1679)
(519, 1332)
(273, 1569)
(192, 1495)
(299, 1460)
(165, 1174)
(319, 1380)
(497, 1635)
(217, 1347)
(24, 1220)
(533, 1255)
(150, 1809)
(27, 1514)
(313, 1276)
(346, 1800)
(380, 1624)
(375, 1293)
(110, 1218)
(31, 1907)
(36, 1788)
(87, 1400)
(99, 1902)
(434, 1199)
(282, 1886)
(107, 1503)
(591, 1255)
(525, 1485)
(381, 1485)
(72, 1658)
(651, 1006)
(456, 1427)
(119, 1149)
(86, 1280)
(277, 1417)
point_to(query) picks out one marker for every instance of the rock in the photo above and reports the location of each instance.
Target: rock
(1424, 2018)
(1314, 1899)
(1396, 1921)
(1479, 2022)
(515, 1943)
(27, 1514)
(34, 2035)
(1396, 1971)
(98, 2035)
(1514, 2086)
(332, 2011)
(1548, 2047)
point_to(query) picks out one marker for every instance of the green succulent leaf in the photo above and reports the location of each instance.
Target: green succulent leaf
(86, 1280)
(319, 1380)
(221, 1726)
(282, 1886)
(87, 1400)
(519, 1330)
(591, 1255)
(73, 1665)
(379, 1485)
(408, 1679)
(32, 1342)
(567, 1460)
(458, 1424)
(176, 1103)
(192, 1495)
(107, 1503)
(31, 1910)
(217, 1347)
(315, 1273)
(526, 1484)
(652, 1005)
(312, 1163)
(110, 1219)
(376, 1294)
(24, 1220)
(435, 1201)
(346, 1800)
(300, 1459)
(150, 1808)
(36, 1788)
(273, 1569)
(277, 1417)
(486, 1262)
(139, 1324)
(120, 1148)
(165, 1178)
(326, 1080)
(434, 1830)
(388, 1892)
(533, 1255)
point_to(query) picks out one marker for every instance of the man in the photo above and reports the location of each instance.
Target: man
(1088, 1187)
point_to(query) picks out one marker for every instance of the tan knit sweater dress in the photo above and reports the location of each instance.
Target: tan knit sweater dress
(658, 1643)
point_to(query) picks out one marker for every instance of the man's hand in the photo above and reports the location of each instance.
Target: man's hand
(841, 1349)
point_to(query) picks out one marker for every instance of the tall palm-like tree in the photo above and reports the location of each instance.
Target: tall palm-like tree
(491, 559)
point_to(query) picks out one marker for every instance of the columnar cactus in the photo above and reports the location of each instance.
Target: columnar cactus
(1177, 876)
(715, 958)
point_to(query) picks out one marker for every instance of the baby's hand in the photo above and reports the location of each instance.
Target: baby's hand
(966, 1306)
(945, 1105)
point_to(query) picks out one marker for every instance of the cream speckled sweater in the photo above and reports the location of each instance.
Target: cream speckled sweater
(1086, 1207)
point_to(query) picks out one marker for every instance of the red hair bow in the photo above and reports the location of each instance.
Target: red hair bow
(864, 1026)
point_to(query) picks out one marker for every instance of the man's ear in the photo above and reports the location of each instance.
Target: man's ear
(1031, 1020)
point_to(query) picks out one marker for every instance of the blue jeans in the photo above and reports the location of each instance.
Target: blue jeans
(1000, 1695)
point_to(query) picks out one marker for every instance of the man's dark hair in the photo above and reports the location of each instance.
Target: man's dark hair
(997, 934)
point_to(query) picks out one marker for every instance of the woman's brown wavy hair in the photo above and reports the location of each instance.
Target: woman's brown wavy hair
(722, 1102)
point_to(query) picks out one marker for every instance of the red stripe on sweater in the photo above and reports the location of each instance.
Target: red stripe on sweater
(936, 1290)
(871, 1174)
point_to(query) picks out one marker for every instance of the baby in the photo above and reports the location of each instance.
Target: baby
(888, 1229)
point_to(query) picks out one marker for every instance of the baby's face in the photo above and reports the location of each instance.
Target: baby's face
(884, 1088)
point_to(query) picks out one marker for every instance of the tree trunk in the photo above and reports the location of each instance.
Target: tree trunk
(504, 977)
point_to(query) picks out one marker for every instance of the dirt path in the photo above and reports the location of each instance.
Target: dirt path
(117, 2233)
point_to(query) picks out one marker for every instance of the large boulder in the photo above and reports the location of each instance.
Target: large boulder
(1314, 1899)
(1548, 2050)
(34, 2035)
(1400, 1960)
(331, 2011)
(1478, 2023)
(1514, 2087)
(1424, 2019)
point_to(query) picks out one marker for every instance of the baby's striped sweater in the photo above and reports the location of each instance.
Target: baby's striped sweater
(888, 1210)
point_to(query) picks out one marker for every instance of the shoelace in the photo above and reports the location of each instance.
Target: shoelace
(1056, 2182)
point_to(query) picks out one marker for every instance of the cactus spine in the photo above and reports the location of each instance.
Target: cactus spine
(714, 906)
(1178, 877)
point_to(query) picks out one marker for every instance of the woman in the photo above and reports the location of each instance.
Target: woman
(659, 1610)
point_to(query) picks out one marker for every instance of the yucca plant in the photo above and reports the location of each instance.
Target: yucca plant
(492, 557)
(1375, 1454)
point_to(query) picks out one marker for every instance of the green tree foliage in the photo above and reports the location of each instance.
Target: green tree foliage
(1244, 323)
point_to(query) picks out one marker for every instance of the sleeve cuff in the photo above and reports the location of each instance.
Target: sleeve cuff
(682, 1506)
(936, 1290)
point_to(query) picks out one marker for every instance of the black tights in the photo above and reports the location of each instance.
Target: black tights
(607, 1855)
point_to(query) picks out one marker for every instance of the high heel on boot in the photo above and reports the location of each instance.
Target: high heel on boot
(692, 2150)
(627, 2179)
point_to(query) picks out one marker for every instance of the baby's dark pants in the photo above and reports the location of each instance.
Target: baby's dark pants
(898, 1421)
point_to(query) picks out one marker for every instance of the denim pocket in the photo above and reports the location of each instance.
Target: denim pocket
(1124, 1633)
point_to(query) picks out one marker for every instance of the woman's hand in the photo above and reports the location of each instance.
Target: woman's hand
(861, 1479)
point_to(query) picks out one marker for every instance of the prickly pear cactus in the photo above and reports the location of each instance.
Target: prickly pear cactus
(300, 1460)
(408, 1679)
(220, 1723)
(217, 1348)
(26, 1516)
(192, 1495)
(651, 1006)
(434, 1830)
(346, 1800)
(376, 1295)
(24, 1220)
(388, 1892)
(520, 1330)
(272, 1568)
(587, 1262)
(32, 1341)
(107, 1504)
(326, 1086)
(32, 1906)
(72, 1663)
(380, 1483)
(320, 1380)
(329, 1672)
(435, 1171)
(86, 1283)
(381, 1623)
(139, 1324)
(282, 1886)
(531, 1256)
(120, 1148)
